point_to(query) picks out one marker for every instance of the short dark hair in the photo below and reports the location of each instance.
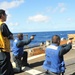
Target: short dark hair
(2, 12)
(55, 39)
(20, 35)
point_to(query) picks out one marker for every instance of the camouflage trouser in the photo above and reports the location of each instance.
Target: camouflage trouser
(5, 64)
(17, 60)
(20, 60)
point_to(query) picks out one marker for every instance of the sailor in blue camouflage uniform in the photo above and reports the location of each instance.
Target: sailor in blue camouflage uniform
(54, 62)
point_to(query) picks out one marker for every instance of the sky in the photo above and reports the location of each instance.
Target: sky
(39, 15)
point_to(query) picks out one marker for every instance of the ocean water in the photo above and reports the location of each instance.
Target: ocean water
(44, 36)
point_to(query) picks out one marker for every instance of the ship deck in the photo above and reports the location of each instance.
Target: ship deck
(36, 62)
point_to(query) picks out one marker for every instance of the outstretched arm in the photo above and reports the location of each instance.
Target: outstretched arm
(66, 48)
(24, 42)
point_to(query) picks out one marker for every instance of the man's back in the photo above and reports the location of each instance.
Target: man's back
(54, 61)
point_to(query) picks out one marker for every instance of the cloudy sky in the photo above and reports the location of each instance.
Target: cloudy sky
(39, 15)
